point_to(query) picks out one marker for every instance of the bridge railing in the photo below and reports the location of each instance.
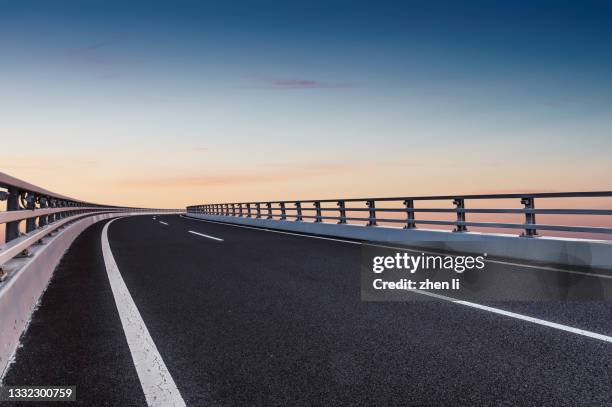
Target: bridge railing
(404, 211)
(43, 212)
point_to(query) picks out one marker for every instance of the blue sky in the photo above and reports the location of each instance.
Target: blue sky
(262, 100)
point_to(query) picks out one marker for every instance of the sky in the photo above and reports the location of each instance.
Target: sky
(174, 103)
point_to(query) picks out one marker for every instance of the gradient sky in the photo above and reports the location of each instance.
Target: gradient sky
(175, 103)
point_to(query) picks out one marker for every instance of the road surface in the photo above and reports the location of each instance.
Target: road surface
(250, 317)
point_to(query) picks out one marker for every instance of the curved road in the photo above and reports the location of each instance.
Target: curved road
(255, 318)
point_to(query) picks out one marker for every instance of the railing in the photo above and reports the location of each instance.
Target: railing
(43, 212)
(315, 211)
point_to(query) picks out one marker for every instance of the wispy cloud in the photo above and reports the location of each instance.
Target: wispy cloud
(298, 83)
(44, 163)
(304, 84)
(197, 181)
(89, 48)
(96, 58)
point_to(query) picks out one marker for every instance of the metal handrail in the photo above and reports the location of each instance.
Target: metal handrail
(38, 206)
(21, 214)
(23, 243)
(300, 210)
(581, 194)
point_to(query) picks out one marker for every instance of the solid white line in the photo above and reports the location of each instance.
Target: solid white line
(507, 263)
(208, 236)
(514, 315)
(163, 223)
(157, 383)
(273, 231)
(498, 311)
(584, 273)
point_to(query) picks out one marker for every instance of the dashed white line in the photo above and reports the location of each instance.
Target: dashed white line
(157, 383)
(275, 231)
(163, 223)
(208, 236)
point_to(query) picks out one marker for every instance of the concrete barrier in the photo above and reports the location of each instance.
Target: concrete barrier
(548, 250)
(28, 279)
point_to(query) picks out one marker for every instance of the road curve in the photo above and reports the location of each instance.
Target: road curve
(248, 317)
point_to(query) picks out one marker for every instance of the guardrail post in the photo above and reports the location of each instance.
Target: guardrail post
(372, 212)
(42, 203)
(409, 204)
(30, 201)
(269, 205)
(530, 218)
(298, 207)
(283, 211)
(317, 206)
(12, 204)
(233, 209)
(55, 204)
(249, 210)
(50, 216)
(227, 210)
(342, 209)
(60, 204)
(459, 205)
(258, 208)
(240, 210)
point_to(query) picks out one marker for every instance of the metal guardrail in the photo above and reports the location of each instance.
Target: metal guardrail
(43, 211)
(314, 210)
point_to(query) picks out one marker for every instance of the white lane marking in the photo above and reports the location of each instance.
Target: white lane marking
(498, 311)
(157, 383)
(550, 269)
(507, 263)
(546, 268)
(273, 231)
(208, 236)
(163, 223)
(522, 317)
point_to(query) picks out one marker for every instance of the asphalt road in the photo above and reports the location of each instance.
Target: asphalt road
(269, 319)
